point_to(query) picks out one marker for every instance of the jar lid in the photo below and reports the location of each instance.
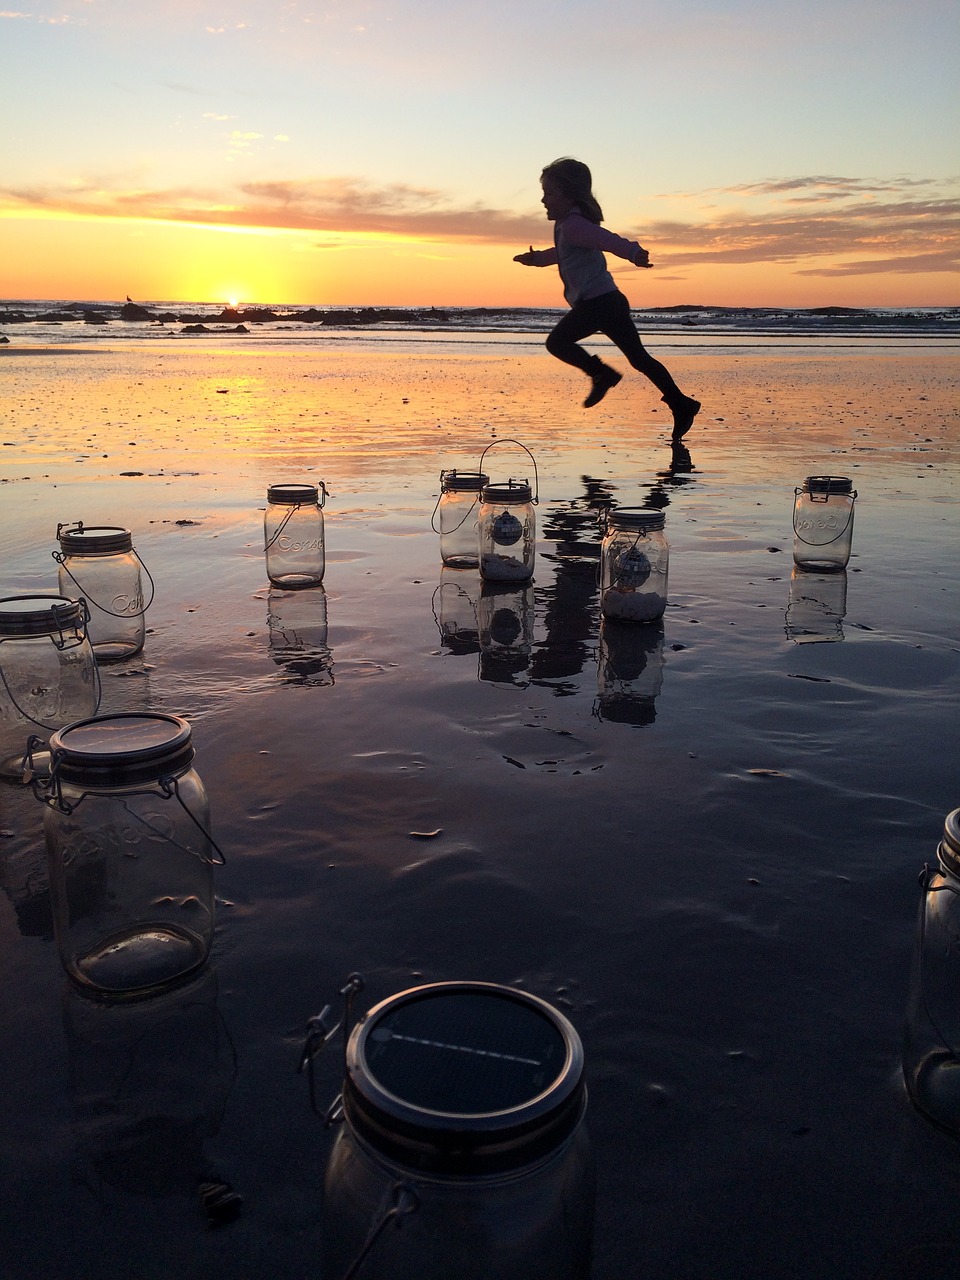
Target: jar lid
(467, 481)
(507, 491)
(464, 1077)
(80, 539)
(950, 845)
(294, 494)
(116, 750)
(639, 518)
(828, 484)
(39, 615)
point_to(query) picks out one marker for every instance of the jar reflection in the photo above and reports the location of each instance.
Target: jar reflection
(456, 607)
(297, 624)
(817, 606)
(149, 1084)
(629, 672)
(506, 633)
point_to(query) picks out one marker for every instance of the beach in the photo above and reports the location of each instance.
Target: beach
(699, 839)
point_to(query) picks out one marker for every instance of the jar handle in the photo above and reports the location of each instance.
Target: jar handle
(536, 477)
(26, 715)
(805, 541)
(320, 1031)
(404, 1201)
(61, 560)
(283, 524)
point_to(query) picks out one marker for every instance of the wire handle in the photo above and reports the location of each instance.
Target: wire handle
(61, 559)
(536, 477)
(321, 1029)
(813, 498)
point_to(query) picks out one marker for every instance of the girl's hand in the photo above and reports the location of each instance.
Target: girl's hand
(642, 259)
(526, 259)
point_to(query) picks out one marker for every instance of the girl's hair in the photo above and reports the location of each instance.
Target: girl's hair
(572, 177)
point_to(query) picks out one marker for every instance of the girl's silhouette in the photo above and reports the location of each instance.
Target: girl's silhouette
(596, 304)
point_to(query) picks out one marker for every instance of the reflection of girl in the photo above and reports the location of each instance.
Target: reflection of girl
(596, 304)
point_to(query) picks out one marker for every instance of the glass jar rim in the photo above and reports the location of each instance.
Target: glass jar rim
(81, 539)
(635, 518)
(841, 485)
(508, 491)
(293, 494)
(121, 748)
(467, 481)
(39, 615)
(520, 1055)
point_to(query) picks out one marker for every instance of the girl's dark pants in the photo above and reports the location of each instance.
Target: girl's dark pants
(609, 314)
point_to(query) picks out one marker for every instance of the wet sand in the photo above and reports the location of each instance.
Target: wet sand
(700, 842)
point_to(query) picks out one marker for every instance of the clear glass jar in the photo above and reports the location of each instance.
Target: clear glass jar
(130, 856)
(463, 1151)
(48, 673)
(293, 534)
(931, 1051)
(634, 561)
(507, 532)
(100, 564)
(823, 523)
(629, 672)
(455, 517)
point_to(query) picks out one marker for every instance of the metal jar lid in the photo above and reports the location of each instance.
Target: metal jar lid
(93, 540)
(509, 491)
(40, 615)
(121, 749)
(464, 1078)
(454, 481)
(293, 494)
(635, 518)
(828, 485)
(950, 845)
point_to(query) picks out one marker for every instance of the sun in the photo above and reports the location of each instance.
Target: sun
(233, 302)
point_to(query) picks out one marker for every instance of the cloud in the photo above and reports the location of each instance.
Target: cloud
(341, 205)
(816, 225)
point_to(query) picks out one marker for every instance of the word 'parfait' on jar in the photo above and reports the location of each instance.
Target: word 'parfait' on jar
(634, 562)
(931, 1047)
(823, 523)
(130, 855)
(48, 674)
(99, 562)
(462, 1148)
(293, 534)
(455, 517)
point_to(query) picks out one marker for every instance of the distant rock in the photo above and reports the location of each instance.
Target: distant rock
(133, 311)
(3, 339)
(194, 328)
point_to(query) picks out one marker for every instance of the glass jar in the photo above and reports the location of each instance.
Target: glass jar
(823, 523)
(130, 856)
(507, 527)
(48, 673)
(462, 1151)
(293, 534)
(931, 1052)
(634, 560)
(455, 517)
(100, 564)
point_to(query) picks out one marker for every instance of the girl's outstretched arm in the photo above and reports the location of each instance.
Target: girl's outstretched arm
(537, 257)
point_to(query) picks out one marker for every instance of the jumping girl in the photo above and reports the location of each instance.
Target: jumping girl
(596, 304)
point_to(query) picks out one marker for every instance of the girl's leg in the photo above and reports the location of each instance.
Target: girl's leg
(562, 342)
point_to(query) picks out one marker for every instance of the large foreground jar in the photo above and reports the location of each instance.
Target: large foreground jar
(931, 1054)
(293, 534)
(462, 1154)
(823, 523)
(634, 561)
(507, 532)
(48, 673)
(100, 564)
(130, 857)
(455, 517)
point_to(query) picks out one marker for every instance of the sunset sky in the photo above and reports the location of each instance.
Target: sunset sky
(803, 153)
